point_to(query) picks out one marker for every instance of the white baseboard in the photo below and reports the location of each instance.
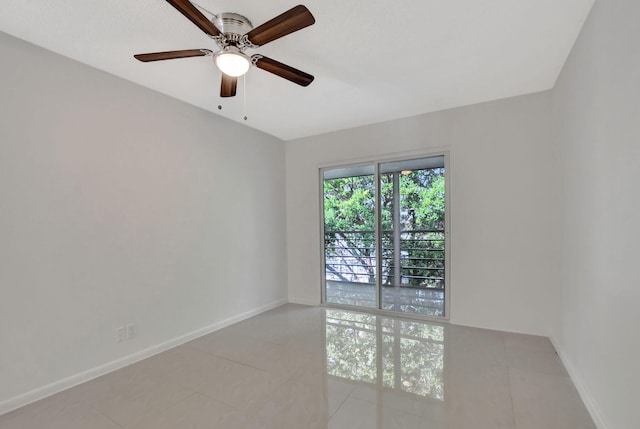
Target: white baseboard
(582, 389)
(82, 377)
(303, 301)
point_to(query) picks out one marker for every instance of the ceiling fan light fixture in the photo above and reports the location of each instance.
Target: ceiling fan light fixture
(232, 62)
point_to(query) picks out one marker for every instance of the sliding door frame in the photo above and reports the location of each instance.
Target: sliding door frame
(378, 232)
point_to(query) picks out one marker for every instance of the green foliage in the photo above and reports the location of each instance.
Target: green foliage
(349, 202)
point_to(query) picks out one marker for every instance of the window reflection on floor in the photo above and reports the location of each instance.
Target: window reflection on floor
(401, 355)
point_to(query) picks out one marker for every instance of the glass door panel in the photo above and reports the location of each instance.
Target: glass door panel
(412, 217)
(349, 236)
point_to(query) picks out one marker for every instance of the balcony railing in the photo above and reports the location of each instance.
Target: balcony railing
(418, 262)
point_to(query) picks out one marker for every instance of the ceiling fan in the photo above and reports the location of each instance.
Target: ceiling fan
(234, 33)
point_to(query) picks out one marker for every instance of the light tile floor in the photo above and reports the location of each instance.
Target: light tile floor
(304, 367)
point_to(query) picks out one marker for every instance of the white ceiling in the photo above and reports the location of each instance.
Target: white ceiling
(373, 60)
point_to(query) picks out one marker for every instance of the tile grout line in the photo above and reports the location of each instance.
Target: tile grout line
(513, 410)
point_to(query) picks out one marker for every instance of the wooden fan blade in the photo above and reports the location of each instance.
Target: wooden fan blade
(292, 20)
(282, 70)
(194, 15)
(170, 55)
(228, 86)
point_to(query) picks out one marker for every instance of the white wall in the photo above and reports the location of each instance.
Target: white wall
(596, 105)
(501, 176)
(117, 205)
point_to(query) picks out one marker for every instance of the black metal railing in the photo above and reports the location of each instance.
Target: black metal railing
(419, 260)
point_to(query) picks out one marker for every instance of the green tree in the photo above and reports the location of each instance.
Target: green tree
(349, 226)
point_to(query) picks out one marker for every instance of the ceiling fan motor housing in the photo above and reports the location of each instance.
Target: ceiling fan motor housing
(233, 26)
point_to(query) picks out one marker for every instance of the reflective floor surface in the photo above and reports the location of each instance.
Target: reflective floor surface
(304, 367)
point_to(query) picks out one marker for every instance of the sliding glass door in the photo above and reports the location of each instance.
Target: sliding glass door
(349, 236)
(385, 236)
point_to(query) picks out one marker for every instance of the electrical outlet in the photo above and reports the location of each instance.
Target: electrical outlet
(121, 334)
(132, 331)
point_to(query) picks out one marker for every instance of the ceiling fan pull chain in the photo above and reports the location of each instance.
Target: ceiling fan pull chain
(244, 95)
